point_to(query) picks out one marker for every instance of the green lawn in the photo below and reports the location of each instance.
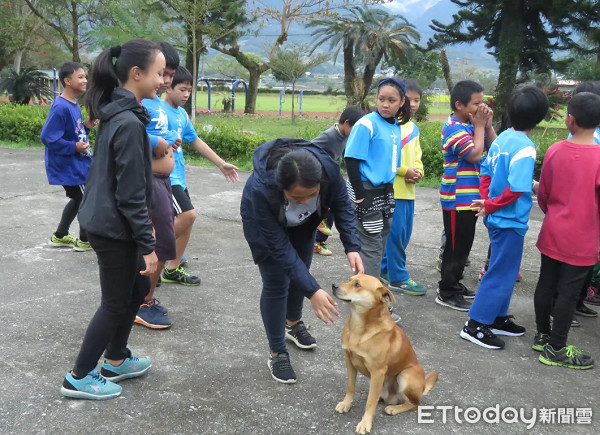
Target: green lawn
(269, 126)
(310, 103)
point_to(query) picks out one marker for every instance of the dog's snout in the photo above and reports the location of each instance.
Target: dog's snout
(334, 287)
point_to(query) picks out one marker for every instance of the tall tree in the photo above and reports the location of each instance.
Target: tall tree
(290, 11)
(424, 66)
(522, 35)
(288, 65)
(205, 21)
(20, 30)
(127, 19)
(366, 35)
(72, 20)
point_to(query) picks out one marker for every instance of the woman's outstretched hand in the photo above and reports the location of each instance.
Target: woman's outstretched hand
(324, 306)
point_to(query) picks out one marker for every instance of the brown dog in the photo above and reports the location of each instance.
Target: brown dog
(378, 348)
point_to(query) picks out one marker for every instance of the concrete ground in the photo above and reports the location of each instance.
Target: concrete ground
(209, 371)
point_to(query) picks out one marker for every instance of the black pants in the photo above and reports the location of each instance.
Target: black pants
(75, 193)
(556, 294)
(459, 227)
(123, 290)
(280, 298)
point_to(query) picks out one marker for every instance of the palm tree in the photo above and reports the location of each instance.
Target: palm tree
(366, 35)
(24, 85)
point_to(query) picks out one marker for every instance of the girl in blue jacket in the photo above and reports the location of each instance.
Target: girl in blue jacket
(293, 185)
(68, 158)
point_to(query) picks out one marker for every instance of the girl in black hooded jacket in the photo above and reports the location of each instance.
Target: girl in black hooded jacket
(115, 213)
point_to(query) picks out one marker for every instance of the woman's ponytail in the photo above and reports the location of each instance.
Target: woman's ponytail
(106, 75)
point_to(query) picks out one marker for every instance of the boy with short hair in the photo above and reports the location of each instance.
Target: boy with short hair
(333, 141)
(178, 120)
(466, 136)
(506, 186)
(151, 313)
(568, 241)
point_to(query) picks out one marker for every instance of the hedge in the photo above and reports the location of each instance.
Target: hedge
(24, 124)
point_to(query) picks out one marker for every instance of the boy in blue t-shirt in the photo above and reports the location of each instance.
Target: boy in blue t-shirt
(465, 139)
(506, 186)
(178, 120)
(67, 153)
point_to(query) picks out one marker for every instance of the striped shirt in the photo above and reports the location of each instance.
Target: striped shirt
(460, 182)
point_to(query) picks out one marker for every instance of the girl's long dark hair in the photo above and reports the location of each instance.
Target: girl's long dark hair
(106, 75)
(300, 167)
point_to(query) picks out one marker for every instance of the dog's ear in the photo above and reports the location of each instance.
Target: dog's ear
(386, 294)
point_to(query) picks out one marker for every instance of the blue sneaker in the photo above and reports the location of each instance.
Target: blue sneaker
(152, 316)
(132, 367)
(408, 287)
(93, 387)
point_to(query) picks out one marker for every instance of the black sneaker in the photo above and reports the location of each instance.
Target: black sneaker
(481, 335)
(585, 311)
(505, 326)
(179, 276)
(539, 341)
(568, 356)
(300, 336)
(456, 302)
(466, 293)
(281, 369)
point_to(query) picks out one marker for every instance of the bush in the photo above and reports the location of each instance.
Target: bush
(430, 138)
(22, 123)
(228, 142)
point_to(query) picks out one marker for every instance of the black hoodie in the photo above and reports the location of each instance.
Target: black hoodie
(118, 191)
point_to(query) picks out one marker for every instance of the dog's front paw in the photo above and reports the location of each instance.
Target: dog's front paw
(343, 407)
(392, 410)
(364, 426)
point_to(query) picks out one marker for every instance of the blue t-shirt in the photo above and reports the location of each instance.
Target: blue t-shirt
(179, 121)
(159, 124)
(376, 143)
(63, 128)
(510, 163)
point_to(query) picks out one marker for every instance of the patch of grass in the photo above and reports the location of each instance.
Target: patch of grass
(310, 103)
(9, 144)
(305, 127)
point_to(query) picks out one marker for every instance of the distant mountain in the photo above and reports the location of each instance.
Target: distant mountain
(418, 12)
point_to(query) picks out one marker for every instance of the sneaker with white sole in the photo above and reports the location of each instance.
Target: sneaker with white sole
(456, 302)
(505, 326)
(281, 369)
(481, 335)
(91, 387)
(299, 334)
(132, 367)
(408, 287)
(62, 242)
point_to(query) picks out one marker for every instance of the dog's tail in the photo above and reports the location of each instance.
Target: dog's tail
(430, 380)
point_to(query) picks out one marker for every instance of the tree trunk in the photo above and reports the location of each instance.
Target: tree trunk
(350, 74)
(446, 70)
(367, 81)
(194, 73)
(255, 73)
(510, 42)
(17, 61)
(192, 57)
(75, 39)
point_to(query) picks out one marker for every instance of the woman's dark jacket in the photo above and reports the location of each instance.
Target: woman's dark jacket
(263, 212)
(118, 191)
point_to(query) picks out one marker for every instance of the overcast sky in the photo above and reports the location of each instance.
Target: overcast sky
(402, 6)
